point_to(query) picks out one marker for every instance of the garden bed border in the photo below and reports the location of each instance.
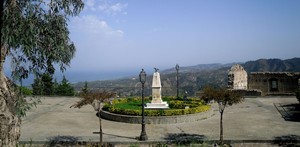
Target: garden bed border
(157, 119)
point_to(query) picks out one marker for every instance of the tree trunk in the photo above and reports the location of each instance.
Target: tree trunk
(9, 121)
(100, 131)
(221, 129)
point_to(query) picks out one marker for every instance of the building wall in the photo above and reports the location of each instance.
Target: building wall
(274, 82)
(237, 77)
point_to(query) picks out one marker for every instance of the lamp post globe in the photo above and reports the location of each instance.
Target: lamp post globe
(143, 135)
(177, 67)
(143, 76)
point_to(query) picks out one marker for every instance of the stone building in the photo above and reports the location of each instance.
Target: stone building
(237, 77)
(274, 83)
(265, 83)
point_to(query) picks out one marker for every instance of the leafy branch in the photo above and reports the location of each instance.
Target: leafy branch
(91, 96)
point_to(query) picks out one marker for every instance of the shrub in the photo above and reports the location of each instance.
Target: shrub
(177, 104)
(26, 91)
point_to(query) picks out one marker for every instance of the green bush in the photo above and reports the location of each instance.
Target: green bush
(177, 104)
(182, 104)
(132, 106)
(26, 91)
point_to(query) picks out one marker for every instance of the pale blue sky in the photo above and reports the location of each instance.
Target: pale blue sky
(122, 35)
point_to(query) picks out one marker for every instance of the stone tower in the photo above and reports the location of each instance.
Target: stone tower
(237, 77)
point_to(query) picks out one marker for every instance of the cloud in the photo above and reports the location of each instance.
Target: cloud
(106, 6)
(92, 25)
(96, 41)
(98, 44)
(113, 9)
(90, 4)
(118, 7)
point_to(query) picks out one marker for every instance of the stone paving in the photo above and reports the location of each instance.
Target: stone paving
(256, 119)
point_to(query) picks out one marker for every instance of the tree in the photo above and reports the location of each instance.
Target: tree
(43, 85)
(95, 99)
(34, 35)
(47, 84)
(37, 87)
(224, 98)
(85, 89)
(65, 88)
(55, 86)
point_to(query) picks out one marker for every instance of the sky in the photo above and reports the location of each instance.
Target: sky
(116, 38)
(122, 35)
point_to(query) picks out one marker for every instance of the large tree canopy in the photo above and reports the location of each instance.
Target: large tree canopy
(35, 35)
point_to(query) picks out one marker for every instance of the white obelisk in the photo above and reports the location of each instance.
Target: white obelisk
(156, 102)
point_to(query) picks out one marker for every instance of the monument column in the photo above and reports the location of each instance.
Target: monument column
(156, 102)
(156, 88)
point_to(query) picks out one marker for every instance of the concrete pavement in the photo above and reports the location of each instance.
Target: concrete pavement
(254, 119)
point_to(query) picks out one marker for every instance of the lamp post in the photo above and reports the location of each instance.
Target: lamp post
(143, 80)
(177, 69)
(299, 84)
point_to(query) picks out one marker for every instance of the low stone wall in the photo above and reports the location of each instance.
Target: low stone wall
(157, 119)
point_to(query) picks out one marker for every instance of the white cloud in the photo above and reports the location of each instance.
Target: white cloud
(113, 9)
(92, 25)
(90, 4)
(118, 7)
(96, 41)
(99, 45)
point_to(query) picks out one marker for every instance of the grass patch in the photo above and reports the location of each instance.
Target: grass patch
(133, 106)
(131, 103)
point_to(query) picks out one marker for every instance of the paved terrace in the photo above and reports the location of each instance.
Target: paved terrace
(254, 119)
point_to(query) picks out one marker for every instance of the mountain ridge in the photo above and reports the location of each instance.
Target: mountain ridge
(194, 78)
(273, 65)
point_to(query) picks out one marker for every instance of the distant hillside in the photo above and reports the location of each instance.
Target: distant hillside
(192, 78)
(199, 67)
(273, 65)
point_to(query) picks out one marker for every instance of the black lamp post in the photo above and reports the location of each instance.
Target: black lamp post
(177, 69)
(299, 84)
(143, 80)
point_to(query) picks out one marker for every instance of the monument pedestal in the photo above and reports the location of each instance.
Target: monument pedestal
(156, 102)
(162, 105)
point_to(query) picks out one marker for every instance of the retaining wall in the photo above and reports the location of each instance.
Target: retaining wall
(157, 119)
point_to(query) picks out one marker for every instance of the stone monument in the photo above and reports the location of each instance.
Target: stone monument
(156, 102)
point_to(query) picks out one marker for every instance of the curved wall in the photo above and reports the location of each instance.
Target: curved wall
(157, 119)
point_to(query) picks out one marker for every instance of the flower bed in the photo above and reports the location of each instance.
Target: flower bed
(133, 106)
